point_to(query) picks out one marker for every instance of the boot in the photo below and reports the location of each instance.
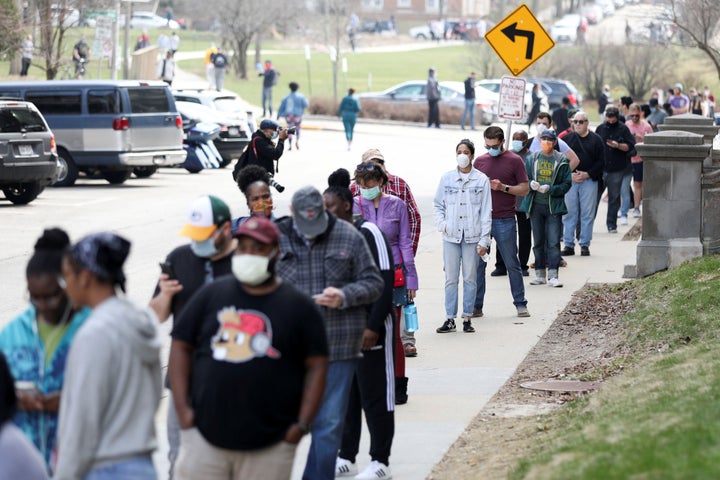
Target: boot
(401, 396)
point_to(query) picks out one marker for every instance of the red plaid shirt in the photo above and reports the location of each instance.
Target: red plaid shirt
(399, 187)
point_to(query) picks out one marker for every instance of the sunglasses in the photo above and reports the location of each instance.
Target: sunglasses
(366, 166)
(488, 147)
(579, 121)
(633, 116)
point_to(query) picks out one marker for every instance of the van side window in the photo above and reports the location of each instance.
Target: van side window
(56, 103)
(103, 101)
(10, 94)
(149, 100)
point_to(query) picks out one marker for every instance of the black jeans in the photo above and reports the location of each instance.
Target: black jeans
(433, 113)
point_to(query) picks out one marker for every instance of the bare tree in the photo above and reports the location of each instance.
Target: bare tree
(484, 61)
(700, 21)
(10, 29)
(639, 67)
(592, 67)
(52, 15)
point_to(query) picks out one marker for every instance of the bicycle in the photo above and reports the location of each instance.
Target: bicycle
(75, 70)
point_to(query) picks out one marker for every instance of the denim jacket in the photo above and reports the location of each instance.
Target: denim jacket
(463, 209)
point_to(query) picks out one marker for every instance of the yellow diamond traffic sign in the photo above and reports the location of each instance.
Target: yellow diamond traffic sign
(519, 40)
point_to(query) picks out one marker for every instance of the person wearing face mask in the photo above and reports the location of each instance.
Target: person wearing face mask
(37, 343)
(508, 180)
(463, 214)
(207, 257)
(657, 114)
(549, 175)
(254, 182)
(248, 365)
(329, 260)
(262, 150)
(542, 123)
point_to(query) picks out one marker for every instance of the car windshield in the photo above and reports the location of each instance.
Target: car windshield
(229, 104)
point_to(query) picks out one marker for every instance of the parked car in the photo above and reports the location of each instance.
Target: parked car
(28, 159)
(607, 6)
(143, 20)
(492, 85)
(226, 101)
(452, 96)
(232, 138)
(558, 89)
(566, 29)
(106, 128)
(377, 26)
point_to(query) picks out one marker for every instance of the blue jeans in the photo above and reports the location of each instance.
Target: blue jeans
(327, 429)
(267, 100)
(138, 468)
(504, 231)
(617, 184)
(455, 254)
(580, 201)
(546, 229)
(469, 109)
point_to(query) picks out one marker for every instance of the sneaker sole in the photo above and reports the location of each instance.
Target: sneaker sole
(446, 331)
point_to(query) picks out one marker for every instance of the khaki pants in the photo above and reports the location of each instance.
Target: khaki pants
(199, 459)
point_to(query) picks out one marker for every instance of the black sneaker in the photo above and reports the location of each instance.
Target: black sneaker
(447, 327)
(568, 251)
(526, 272)
(477, 312)
(585, 251)
(467, 327)
(498, 273)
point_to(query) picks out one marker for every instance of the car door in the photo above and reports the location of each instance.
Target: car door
(153, 119)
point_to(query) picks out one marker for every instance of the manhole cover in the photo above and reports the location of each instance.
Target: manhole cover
(561, 385)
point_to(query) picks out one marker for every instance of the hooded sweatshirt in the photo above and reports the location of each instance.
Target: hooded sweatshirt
(112, 390)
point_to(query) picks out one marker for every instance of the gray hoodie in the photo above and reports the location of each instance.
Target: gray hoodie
(111, 391)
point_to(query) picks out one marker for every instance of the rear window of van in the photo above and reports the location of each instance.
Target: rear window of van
(149, 100)
(103, 101)
(56, 103)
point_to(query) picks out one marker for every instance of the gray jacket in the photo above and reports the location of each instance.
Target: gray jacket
(432, 89)
(463, 209)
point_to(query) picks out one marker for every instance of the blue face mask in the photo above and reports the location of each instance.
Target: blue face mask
(370, 193)
(494, 152)
(204, 249)
(516, 145)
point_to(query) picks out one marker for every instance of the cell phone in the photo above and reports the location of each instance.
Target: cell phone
(27, 388)
(167, 269)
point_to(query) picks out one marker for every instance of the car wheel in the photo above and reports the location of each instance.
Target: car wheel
(192, 170)
(116, 177)
(420, 36)
(68, 170)
(144, 172)
(23, 193)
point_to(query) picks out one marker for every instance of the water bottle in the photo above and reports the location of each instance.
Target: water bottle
(411, 318)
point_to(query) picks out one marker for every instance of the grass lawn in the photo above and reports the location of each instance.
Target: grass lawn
(661, 418)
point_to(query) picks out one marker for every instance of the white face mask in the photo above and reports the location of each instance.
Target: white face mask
(463, 160)
(540, 128)
(251, 269)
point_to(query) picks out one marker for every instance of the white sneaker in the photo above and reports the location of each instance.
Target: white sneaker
(538, 281)
(345, 468)
(554, 282)
(623, 221)
(374, 471)
(636, 213)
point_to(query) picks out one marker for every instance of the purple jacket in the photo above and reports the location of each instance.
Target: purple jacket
(392, 219)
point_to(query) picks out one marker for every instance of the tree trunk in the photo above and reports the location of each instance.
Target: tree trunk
(240, 58)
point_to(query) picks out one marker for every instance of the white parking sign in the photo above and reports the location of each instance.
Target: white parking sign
(512, 98)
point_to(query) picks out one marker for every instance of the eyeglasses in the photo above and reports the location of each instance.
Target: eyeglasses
(366, 166)
(579, 121)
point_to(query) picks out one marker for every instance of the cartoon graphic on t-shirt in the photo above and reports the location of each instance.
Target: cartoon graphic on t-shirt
(242, 336)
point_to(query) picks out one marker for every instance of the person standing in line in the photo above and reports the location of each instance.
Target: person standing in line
(679, 102)
(539, 103)
(432, 92)
(254, 182)
(189, 267)
(657, 114)
(248, 363)
(348, 111)
(113, 374)
(166, 68)
(550, 179)
(463, 214)
(508, 180)
(270, 78)
(292, 107)
(220, 65)
(37, 342)
(209, 67)
(603, 100)
(469, 102)
(639, 128)
(398, 187)
(27, 48)
(373, 389)
(329, 260)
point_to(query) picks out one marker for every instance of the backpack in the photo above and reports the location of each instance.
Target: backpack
(243, 160)
(82, 49)
(219, 61)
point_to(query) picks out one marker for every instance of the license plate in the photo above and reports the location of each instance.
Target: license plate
(233, 131)
(25, 149)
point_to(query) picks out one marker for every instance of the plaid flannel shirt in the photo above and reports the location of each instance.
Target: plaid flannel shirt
(399, 187)
(337, 258)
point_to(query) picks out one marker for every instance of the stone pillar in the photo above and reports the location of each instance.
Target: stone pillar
(690, 122)
(672, 200)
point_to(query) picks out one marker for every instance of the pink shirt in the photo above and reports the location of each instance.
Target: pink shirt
(641, 128)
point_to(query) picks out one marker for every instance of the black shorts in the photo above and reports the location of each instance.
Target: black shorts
(637, 169)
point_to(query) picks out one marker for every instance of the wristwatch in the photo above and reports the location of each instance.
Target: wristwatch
(303, 427)
(507, 188)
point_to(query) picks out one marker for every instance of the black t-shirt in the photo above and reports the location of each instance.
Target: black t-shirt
(248, 367)
(193, 272)
(560, 119)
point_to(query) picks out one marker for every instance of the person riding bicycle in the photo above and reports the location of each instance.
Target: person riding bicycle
(81, 52)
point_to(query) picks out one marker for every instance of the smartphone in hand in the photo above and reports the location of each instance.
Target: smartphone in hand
(167, 269)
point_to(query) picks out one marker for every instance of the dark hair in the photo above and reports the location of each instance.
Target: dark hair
(521, 133)
(49, 250)
(339, 185)
(103, 254)
(8, 398)
(468, 143)
(645, 109)
(494, 133)
(251, 174)
(351, 91)
(627, 101)
(543, 115)
(294, 86)
(364, 174)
